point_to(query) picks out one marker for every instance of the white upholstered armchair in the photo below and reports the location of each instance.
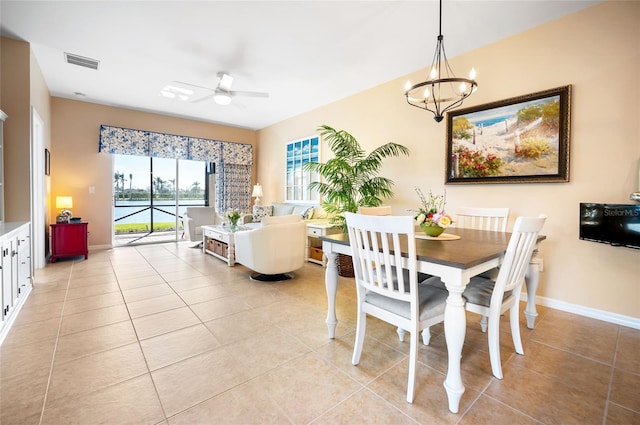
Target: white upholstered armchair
(273, 249)
(195, 217)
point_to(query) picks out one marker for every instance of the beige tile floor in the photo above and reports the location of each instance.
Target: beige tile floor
(161, 334)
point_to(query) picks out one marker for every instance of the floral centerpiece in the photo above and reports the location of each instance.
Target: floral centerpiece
(431, 215)
(233, 216)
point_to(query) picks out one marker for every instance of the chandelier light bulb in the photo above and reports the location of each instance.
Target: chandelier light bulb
(434, 74)
(407, 85)
(472, 74)
(426, 93)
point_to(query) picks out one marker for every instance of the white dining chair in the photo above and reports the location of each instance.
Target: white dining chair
(386, 210)
(482, 218)
(384, 293)
(491, 298)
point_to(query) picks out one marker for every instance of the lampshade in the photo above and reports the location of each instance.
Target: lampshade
(64, 202)
(257, 191)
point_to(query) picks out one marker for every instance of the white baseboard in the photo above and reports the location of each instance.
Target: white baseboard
(99, 247)
(619, 319)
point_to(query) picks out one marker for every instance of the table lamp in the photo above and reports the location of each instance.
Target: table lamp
(257, 193)
(64, 203)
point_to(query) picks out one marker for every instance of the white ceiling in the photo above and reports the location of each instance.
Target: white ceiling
(304, 53)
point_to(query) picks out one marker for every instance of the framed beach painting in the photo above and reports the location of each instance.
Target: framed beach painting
(524, 139)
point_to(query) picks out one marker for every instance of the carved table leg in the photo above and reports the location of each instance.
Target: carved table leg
(455, 324)
(331, 283)
(531, 280)
(231, 252)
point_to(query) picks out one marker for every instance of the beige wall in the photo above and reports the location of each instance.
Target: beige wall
(16, 97)
(76, 164)
(41, 102)
(598, 52)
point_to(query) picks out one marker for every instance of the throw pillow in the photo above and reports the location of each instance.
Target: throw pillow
(305, 211)
(319, 212)
(282, 209)
(259, 212)
(308, 214)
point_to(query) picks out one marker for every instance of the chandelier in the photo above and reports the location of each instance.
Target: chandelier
(442, 91)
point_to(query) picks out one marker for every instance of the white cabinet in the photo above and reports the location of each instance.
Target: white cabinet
(7, 277)
(24, 259)
(15, 264)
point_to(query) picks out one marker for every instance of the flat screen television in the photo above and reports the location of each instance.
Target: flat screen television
(615, 224)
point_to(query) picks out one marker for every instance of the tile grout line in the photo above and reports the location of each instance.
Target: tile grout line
(146, 363)
(55, 347)
(510, 407)
(613, 371)
(585, 357)
(201, 322)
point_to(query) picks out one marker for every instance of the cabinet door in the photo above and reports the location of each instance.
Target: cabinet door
(24, 261)
(7, 300)
(14, 270)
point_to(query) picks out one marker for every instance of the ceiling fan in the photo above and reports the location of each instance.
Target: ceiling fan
(221, 94)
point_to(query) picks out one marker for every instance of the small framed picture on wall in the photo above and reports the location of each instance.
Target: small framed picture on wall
(47, 162)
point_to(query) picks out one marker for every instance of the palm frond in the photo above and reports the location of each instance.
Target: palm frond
(351, 178)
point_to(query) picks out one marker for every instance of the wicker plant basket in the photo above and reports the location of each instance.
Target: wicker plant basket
(345, 266)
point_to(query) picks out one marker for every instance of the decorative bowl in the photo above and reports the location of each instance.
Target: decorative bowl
(433, 231)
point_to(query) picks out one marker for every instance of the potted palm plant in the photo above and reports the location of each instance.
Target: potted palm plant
(350, 179)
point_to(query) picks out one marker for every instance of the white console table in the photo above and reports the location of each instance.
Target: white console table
(316, 229)
(219, 242)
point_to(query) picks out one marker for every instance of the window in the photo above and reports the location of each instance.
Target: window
(297, 180)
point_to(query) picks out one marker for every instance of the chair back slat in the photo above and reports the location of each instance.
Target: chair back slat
(376, 243)
(518, 255)
(482, 218)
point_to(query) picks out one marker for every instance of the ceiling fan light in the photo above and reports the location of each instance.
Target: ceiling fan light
(222, 98)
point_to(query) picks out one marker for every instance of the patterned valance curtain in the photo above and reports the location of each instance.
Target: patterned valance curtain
(127, 141)
(233, 160)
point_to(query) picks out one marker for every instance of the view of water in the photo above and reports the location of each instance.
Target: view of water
(490, 121)
(124, 208)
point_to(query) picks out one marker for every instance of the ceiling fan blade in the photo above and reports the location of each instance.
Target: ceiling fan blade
(181, 83)
(202, 99)
(249, 93)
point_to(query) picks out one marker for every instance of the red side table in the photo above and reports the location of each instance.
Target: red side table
(69, 240)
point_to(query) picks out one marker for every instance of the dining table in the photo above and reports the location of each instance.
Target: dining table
(455, 257)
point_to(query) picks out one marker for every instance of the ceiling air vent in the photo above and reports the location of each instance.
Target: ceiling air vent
(81, 61)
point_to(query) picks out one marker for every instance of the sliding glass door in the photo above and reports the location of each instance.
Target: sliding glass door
(151, 194)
